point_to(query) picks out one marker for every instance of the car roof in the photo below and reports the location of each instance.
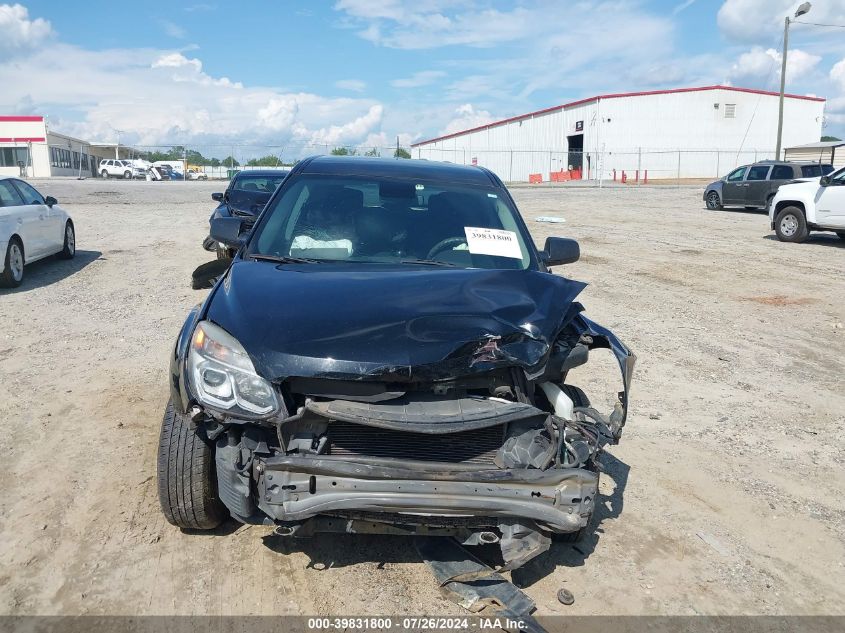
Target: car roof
(799, 163)
(396, 168)
(262, 172)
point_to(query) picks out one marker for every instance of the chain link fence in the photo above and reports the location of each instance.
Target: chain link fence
(640, 166)
(220, 161)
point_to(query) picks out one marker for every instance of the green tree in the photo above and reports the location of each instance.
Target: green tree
(372, 152)
(229, 161)
(830, 138)
(344, 151)
(401, 152)
(264, 161)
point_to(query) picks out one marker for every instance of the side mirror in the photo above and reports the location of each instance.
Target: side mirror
(217, 197)
(206, 275)
(824, 181)
(228, 231)
(560, 250)
(50, 201)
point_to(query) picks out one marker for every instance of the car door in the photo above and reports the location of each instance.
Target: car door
(830, 202)
(54, 218)
(734, 186)
(756, 186)
(19, 219)
(780, 174)
(44, 228)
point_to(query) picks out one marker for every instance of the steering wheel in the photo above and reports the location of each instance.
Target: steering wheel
(442, 245)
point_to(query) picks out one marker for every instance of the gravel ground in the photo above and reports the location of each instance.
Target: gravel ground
(724, 497)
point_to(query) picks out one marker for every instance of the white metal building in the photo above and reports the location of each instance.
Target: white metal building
(680, 133)
(29, 149)
(831, 152)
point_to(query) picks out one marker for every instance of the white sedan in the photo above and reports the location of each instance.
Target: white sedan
(32, 227)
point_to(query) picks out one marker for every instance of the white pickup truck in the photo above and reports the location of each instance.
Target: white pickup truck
(817, 204)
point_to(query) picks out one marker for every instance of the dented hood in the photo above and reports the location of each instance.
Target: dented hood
(388, 322)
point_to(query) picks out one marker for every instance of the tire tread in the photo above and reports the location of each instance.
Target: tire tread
(187, 488)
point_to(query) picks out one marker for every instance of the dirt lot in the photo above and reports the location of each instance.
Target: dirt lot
(724, 497)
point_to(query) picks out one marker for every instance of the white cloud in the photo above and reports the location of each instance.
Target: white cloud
(421, 24)
(352, 132)
(837, 74)
(172, 29)
(353, 85)
(762, 20)
(417, 80)
(467, 117)
(17, 32)
(759, 67)
(164, 97)
(682, 6)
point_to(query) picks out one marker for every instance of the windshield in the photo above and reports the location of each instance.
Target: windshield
(387, 220)
(249, 194)
(258, 184)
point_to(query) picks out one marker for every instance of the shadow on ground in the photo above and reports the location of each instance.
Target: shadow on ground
(821, 239)
(50, 270)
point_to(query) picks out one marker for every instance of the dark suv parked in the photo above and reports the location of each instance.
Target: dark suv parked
(753, 186)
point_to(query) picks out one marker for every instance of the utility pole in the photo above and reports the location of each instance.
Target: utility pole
(117, 147)
(803, 9)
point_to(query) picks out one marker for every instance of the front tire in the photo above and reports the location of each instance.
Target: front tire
(714, 202)
(69, 248)
(127, 175)
(187, 480)
(791, 225)
(12, 276)
(224, 252)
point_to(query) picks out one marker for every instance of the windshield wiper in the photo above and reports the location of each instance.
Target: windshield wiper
(282, 259)
(428, 262)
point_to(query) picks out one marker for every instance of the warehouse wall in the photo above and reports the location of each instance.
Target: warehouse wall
(672, 135)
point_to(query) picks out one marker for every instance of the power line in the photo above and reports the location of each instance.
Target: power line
(838, 26)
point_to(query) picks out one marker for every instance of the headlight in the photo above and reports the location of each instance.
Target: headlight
(223, 376)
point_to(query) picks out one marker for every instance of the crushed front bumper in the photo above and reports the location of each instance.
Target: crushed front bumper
(294, 489)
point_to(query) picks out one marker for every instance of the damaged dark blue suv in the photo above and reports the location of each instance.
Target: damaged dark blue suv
(388, 352)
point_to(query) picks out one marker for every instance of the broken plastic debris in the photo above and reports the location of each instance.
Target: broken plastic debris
(553, 219)
(713, 542)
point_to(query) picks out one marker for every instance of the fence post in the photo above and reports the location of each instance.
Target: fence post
(679, 168)
(639, 163)
(510, 167)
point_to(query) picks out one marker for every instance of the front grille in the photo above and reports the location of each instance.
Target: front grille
(428, 520)
(477, 446)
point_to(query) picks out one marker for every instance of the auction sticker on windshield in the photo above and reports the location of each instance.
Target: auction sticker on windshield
(492, 242)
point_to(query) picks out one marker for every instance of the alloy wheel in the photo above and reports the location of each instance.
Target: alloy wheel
(70, 239)
(16, 261)
(788, 225)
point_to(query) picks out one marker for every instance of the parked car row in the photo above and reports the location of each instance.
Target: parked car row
(144, 170)
(799, 197)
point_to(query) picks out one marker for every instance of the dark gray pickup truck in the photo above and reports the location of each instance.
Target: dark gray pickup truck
(753, 186)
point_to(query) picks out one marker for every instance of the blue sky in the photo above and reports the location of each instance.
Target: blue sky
(361, 72)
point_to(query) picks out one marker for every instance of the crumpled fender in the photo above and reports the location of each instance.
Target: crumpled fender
(604, 338)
